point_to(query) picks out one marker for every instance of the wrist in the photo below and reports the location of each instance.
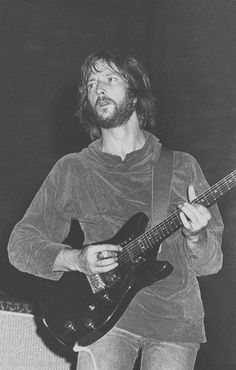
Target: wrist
(198, 237)
(196, 244)
(66, 260)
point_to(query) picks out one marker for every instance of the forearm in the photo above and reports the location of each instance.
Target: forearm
(204, 254)
(90, 260)
(68, 260)
(31, 252)
(196, 245)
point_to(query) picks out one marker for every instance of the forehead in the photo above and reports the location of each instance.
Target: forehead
(102, 67)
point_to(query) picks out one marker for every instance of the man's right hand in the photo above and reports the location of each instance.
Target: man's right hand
(92, 259)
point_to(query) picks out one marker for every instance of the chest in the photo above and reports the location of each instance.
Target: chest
(123, 192)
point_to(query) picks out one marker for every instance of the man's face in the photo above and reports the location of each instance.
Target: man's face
(109, 96)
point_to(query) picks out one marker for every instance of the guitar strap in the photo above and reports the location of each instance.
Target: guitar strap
(162, 172)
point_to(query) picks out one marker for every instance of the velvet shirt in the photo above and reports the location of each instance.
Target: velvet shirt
(102, 192)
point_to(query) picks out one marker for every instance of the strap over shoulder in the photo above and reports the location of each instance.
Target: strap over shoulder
(162, 172)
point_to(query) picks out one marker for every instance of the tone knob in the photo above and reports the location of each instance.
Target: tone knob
(69, 325)
(89, 324)
(106, 297)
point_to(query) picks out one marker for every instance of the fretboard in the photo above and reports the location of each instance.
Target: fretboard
(145, 242)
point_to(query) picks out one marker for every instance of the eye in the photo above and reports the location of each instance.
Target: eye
(90, 85)
(111, 78)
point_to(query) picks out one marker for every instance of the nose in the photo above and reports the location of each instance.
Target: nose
(101, 90)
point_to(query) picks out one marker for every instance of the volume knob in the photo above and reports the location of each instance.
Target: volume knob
(69, 325)
(89, 324)
(106, 297)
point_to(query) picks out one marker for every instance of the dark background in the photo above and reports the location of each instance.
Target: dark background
(189, 49)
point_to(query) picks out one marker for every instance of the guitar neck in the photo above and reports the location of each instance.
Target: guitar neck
(135, 251)
(172, 223)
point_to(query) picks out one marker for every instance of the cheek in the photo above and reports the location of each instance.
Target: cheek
(118, 95)
(91, 100)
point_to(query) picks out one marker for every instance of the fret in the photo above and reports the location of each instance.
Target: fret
(158, 233)
(135, 249)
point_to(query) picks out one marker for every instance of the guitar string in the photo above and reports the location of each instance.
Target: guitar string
(173, 221)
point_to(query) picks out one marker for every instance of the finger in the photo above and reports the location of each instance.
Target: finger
(107, 262)
(100, 255)
(191, 193)
(105, 268)
(190, 211)
(106, 247)
(193, 220)
(185, 222)
(106, 254)
(112, 247)
(196, 212)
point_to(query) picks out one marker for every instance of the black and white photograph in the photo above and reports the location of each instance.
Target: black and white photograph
(118, 185)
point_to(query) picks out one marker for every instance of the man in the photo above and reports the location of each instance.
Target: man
(102, 187)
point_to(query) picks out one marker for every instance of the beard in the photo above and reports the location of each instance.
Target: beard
(120, 114)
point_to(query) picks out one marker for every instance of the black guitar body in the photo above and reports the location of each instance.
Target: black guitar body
(80, 310)
(75, 314)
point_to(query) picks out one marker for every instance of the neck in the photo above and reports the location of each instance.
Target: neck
(123, 139)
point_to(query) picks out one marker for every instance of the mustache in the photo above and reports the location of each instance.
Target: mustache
(103, 99)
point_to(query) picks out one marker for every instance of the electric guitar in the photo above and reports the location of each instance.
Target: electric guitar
(80, 309)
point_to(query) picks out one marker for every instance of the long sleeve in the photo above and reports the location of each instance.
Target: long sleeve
(210, 262)
(211, 259)
(37, 239)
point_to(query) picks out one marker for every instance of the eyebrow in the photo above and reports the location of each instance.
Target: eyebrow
(90, 80)
(107, 74)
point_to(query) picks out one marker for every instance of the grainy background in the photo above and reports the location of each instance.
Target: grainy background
(189, 49)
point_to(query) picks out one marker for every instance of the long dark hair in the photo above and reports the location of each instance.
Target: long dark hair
(138, 82)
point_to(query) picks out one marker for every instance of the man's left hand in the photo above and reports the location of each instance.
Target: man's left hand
(194, 217)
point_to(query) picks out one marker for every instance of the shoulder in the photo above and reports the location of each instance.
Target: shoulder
(68, 166)
(184, 160)
(187, 168)
(72, 160)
